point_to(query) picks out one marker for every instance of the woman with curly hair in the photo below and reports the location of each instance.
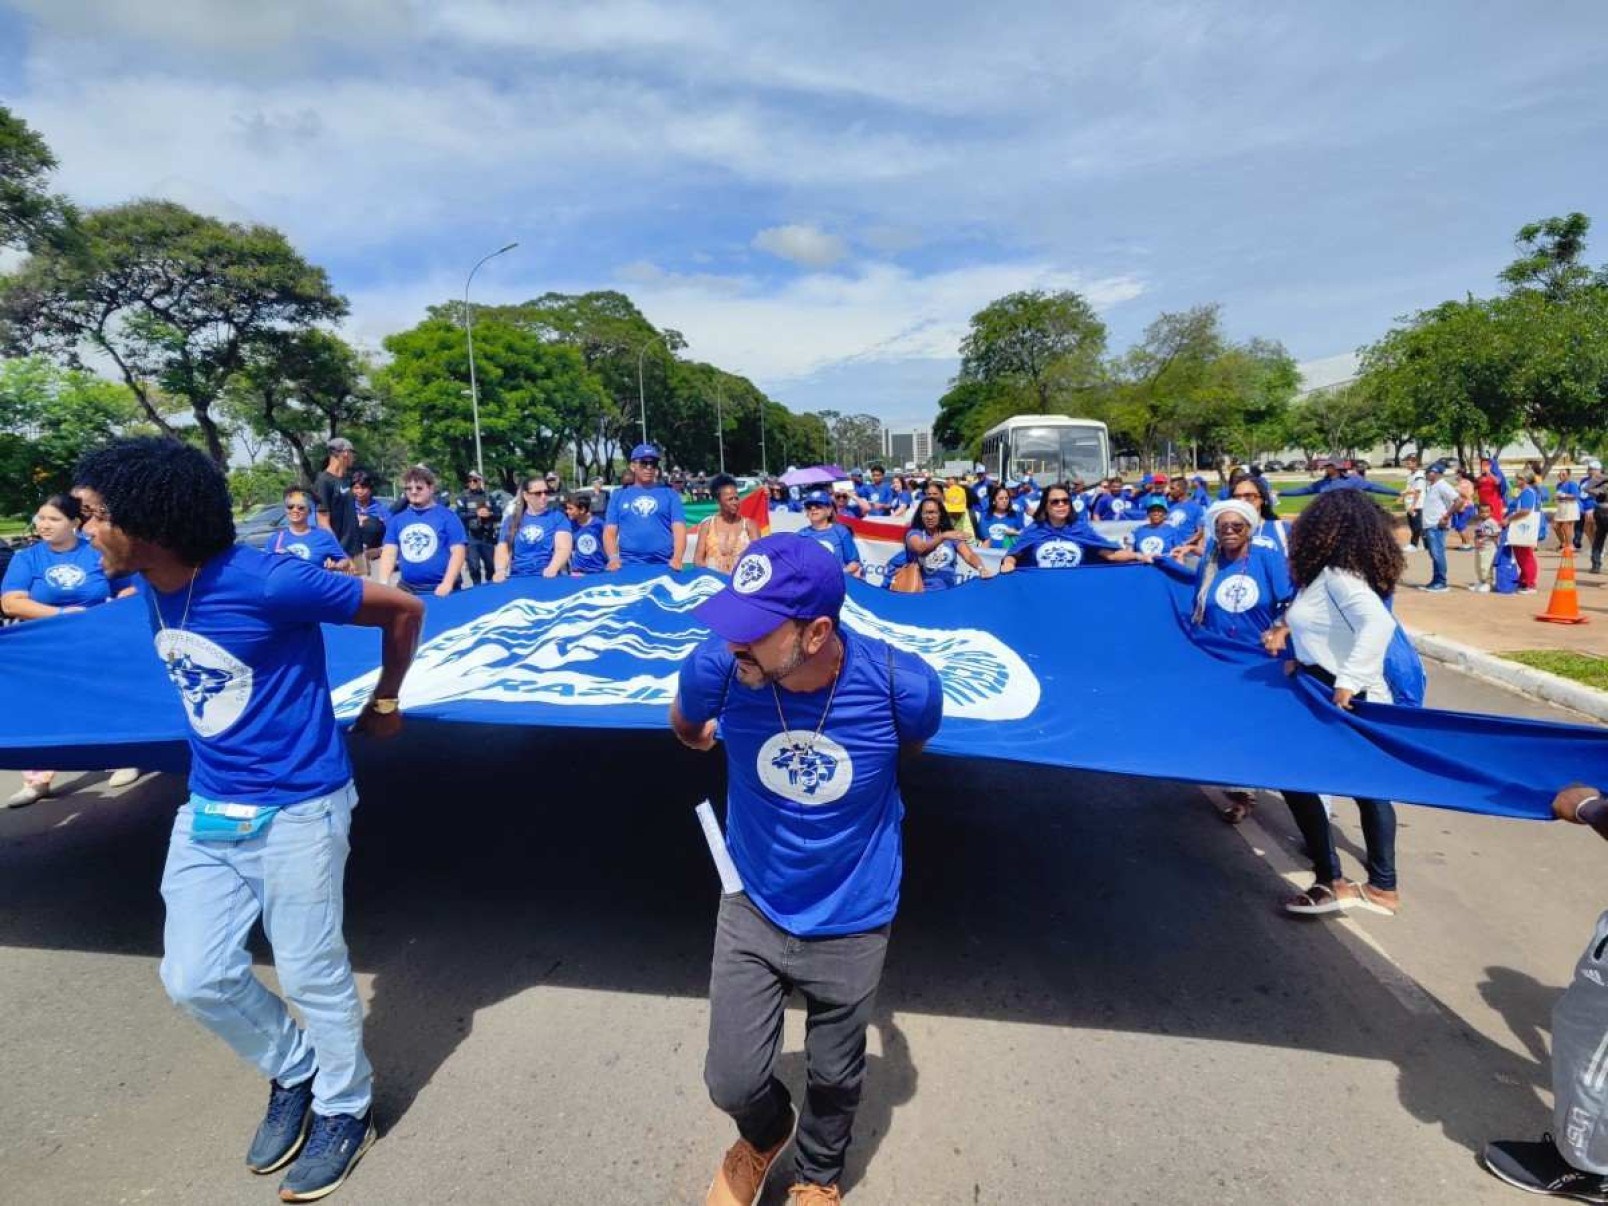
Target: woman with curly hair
(1345, 562)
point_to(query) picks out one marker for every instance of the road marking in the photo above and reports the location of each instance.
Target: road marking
(1373, 957)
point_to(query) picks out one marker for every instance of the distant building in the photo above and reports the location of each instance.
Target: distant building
(907, 447)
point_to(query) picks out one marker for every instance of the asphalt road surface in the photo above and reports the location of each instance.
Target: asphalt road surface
(1090, 996)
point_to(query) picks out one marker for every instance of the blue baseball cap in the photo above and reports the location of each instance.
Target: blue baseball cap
(645, 452)
(818, 496)
(778, 578)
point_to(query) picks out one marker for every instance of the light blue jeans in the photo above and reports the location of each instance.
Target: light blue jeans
(292, 875)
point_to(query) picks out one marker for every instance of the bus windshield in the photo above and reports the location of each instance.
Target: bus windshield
(1054, 454)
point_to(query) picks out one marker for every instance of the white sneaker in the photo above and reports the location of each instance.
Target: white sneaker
(27, 796)
(1484, 588)
(124, 777)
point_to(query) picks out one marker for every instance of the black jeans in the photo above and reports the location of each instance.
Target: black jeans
(480, 558)
(1599, 537)
(756, 967)
(1415, 525)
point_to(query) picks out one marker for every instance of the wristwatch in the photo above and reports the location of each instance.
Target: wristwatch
(384, 707)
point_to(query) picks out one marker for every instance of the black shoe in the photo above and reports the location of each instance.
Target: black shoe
(333, 1149)
(284, 1127)
(1538, 1168)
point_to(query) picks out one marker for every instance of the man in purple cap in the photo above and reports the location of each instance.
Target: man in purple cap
(813, 717)
(644, 524)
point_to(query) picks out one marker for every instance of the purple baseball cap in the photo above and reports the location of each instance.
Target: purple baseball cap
(778, 578)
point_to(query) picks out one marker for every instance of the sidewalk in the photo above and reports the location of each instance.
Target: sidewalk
(1503, 623)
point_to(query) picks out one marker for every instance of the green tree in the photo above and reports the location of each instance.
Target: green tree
(176, 301)
(32, 218)
(50, 417)
(302, 387)
(533, 395)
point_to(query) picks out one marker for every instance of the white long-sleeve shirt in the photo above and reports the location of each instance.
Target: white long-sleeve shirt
(1337, 622)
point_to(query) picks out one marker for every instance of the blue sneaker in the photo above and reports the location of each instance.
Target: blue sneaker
(333, 1149)
(284, 1127)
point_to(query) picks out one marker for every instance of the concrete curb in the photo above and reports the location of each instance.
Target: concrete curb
(1516, 677)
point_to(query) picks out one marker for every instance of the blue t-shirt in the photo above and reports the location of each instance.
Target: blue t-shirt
(939, 568)
(315, 545)
(880, 497)
(1246, 597)
(532, 545)
(997, 531)
(1156, 539)
(643, 516)
(245, 650)
(1186, 516)
(588, 556)
(1527, 500)
(837, 540)
(424, 539)
(1569, 489)
(814, 830)
(71, 579)
(902, 499)
(1066, 547)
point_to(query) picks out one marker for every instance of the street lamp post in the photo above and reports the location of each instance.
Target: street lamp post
(469, 335)
(642, 397)
(764, 463)
(720, 431)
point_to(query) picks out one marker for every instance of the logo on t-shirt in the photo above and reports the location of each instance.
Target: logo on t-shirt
(998, 531)
(1237, 593)
(1176, 517)
(216, 686)
(1154, 545)
(299, 550)
(941, 557)
(418, 542)
(645, 505)
(752, 572)
(586, 543)
(66, 577)
(533, 533)
(829, 545)
(1060, 554)
(805, 771)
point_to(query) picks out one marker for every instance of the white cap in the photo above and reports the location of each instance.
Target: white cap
(1593, 464)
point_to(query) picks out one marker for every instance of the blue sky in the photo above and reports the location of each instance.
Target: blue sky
(819, 196)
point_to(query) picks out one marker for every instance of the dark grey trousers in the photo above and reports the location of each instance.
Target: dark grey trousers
(756, 967)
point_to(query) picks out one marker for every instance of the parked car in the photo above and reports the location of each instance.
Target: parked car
(1272, 466)
(258, 528)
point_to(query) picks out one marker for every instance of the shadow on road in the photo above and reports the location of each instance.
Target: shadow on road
(490, 861)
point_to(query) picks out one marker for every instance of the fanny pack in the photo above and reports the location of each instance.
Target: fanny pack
(219, 821)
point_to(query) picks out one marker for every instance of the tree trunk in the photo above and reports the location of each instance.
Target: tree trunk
(209, 428)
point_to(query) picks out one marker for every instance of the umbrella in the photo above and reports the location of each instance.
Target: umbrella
(813, 476)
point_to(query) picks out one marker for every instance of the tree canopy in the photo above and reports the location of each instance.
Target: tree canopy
(32, 218)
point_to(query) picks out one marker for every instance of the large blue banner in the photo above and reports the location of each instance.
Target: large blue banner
(1093, 669)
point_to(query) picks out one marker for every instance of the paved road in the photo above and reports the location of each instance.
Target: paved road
(1090, 996)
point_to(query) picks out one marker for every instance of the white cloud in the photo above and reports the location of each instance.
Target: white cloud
(806, 245)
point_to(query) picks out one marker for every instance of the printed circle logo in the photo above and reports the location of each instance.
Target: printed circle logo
(997, 531)
(1176, 517)
(586, 544)
(418, 542)
(215, 685)
(827, 545)
(752, 572)
(66, 577)
(1060, 554)
(645, 506)
(1154, 545)
(1237, 593)
(808, 774)
(532, 533)
(941, 557)
(299, 550)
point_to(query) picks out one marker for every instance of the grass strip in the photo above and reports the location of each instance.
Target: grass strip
(1576, 667)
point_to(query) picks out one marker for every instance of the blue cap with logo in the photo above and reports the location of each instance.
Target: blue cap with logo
(778, 578)
(645, 452)
(818, 496)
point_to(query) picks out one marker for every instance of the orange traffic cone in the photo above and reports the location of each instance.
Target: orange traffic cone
(1564, 605)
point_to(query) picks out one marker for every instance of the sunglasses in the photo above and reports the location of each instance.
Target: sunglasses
(538, 493)
(1060, 502)
(1253, 496)
(295, 506)
(1233, 527)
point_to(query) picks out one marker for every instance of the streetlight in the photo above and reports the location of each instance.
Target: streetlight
(720, 430)
(469, 334)
(642, 398)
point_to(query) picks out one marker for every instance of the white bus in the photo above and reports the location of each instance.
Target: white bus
(1051, 448)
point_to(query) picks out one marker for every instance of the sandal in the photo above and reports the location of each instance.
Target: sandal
(1375, 900)
(1321, 899)
(1240, 805)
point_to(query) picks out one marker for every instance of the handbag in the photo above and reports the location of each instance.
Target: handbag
(907, 579)
(1525, 532)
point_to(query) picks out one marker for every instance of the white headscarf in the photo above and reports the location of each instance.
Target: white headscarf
(1232, 506)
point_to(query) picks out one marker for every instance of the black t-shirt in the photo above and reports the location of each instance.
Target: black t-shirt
(334, 497)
